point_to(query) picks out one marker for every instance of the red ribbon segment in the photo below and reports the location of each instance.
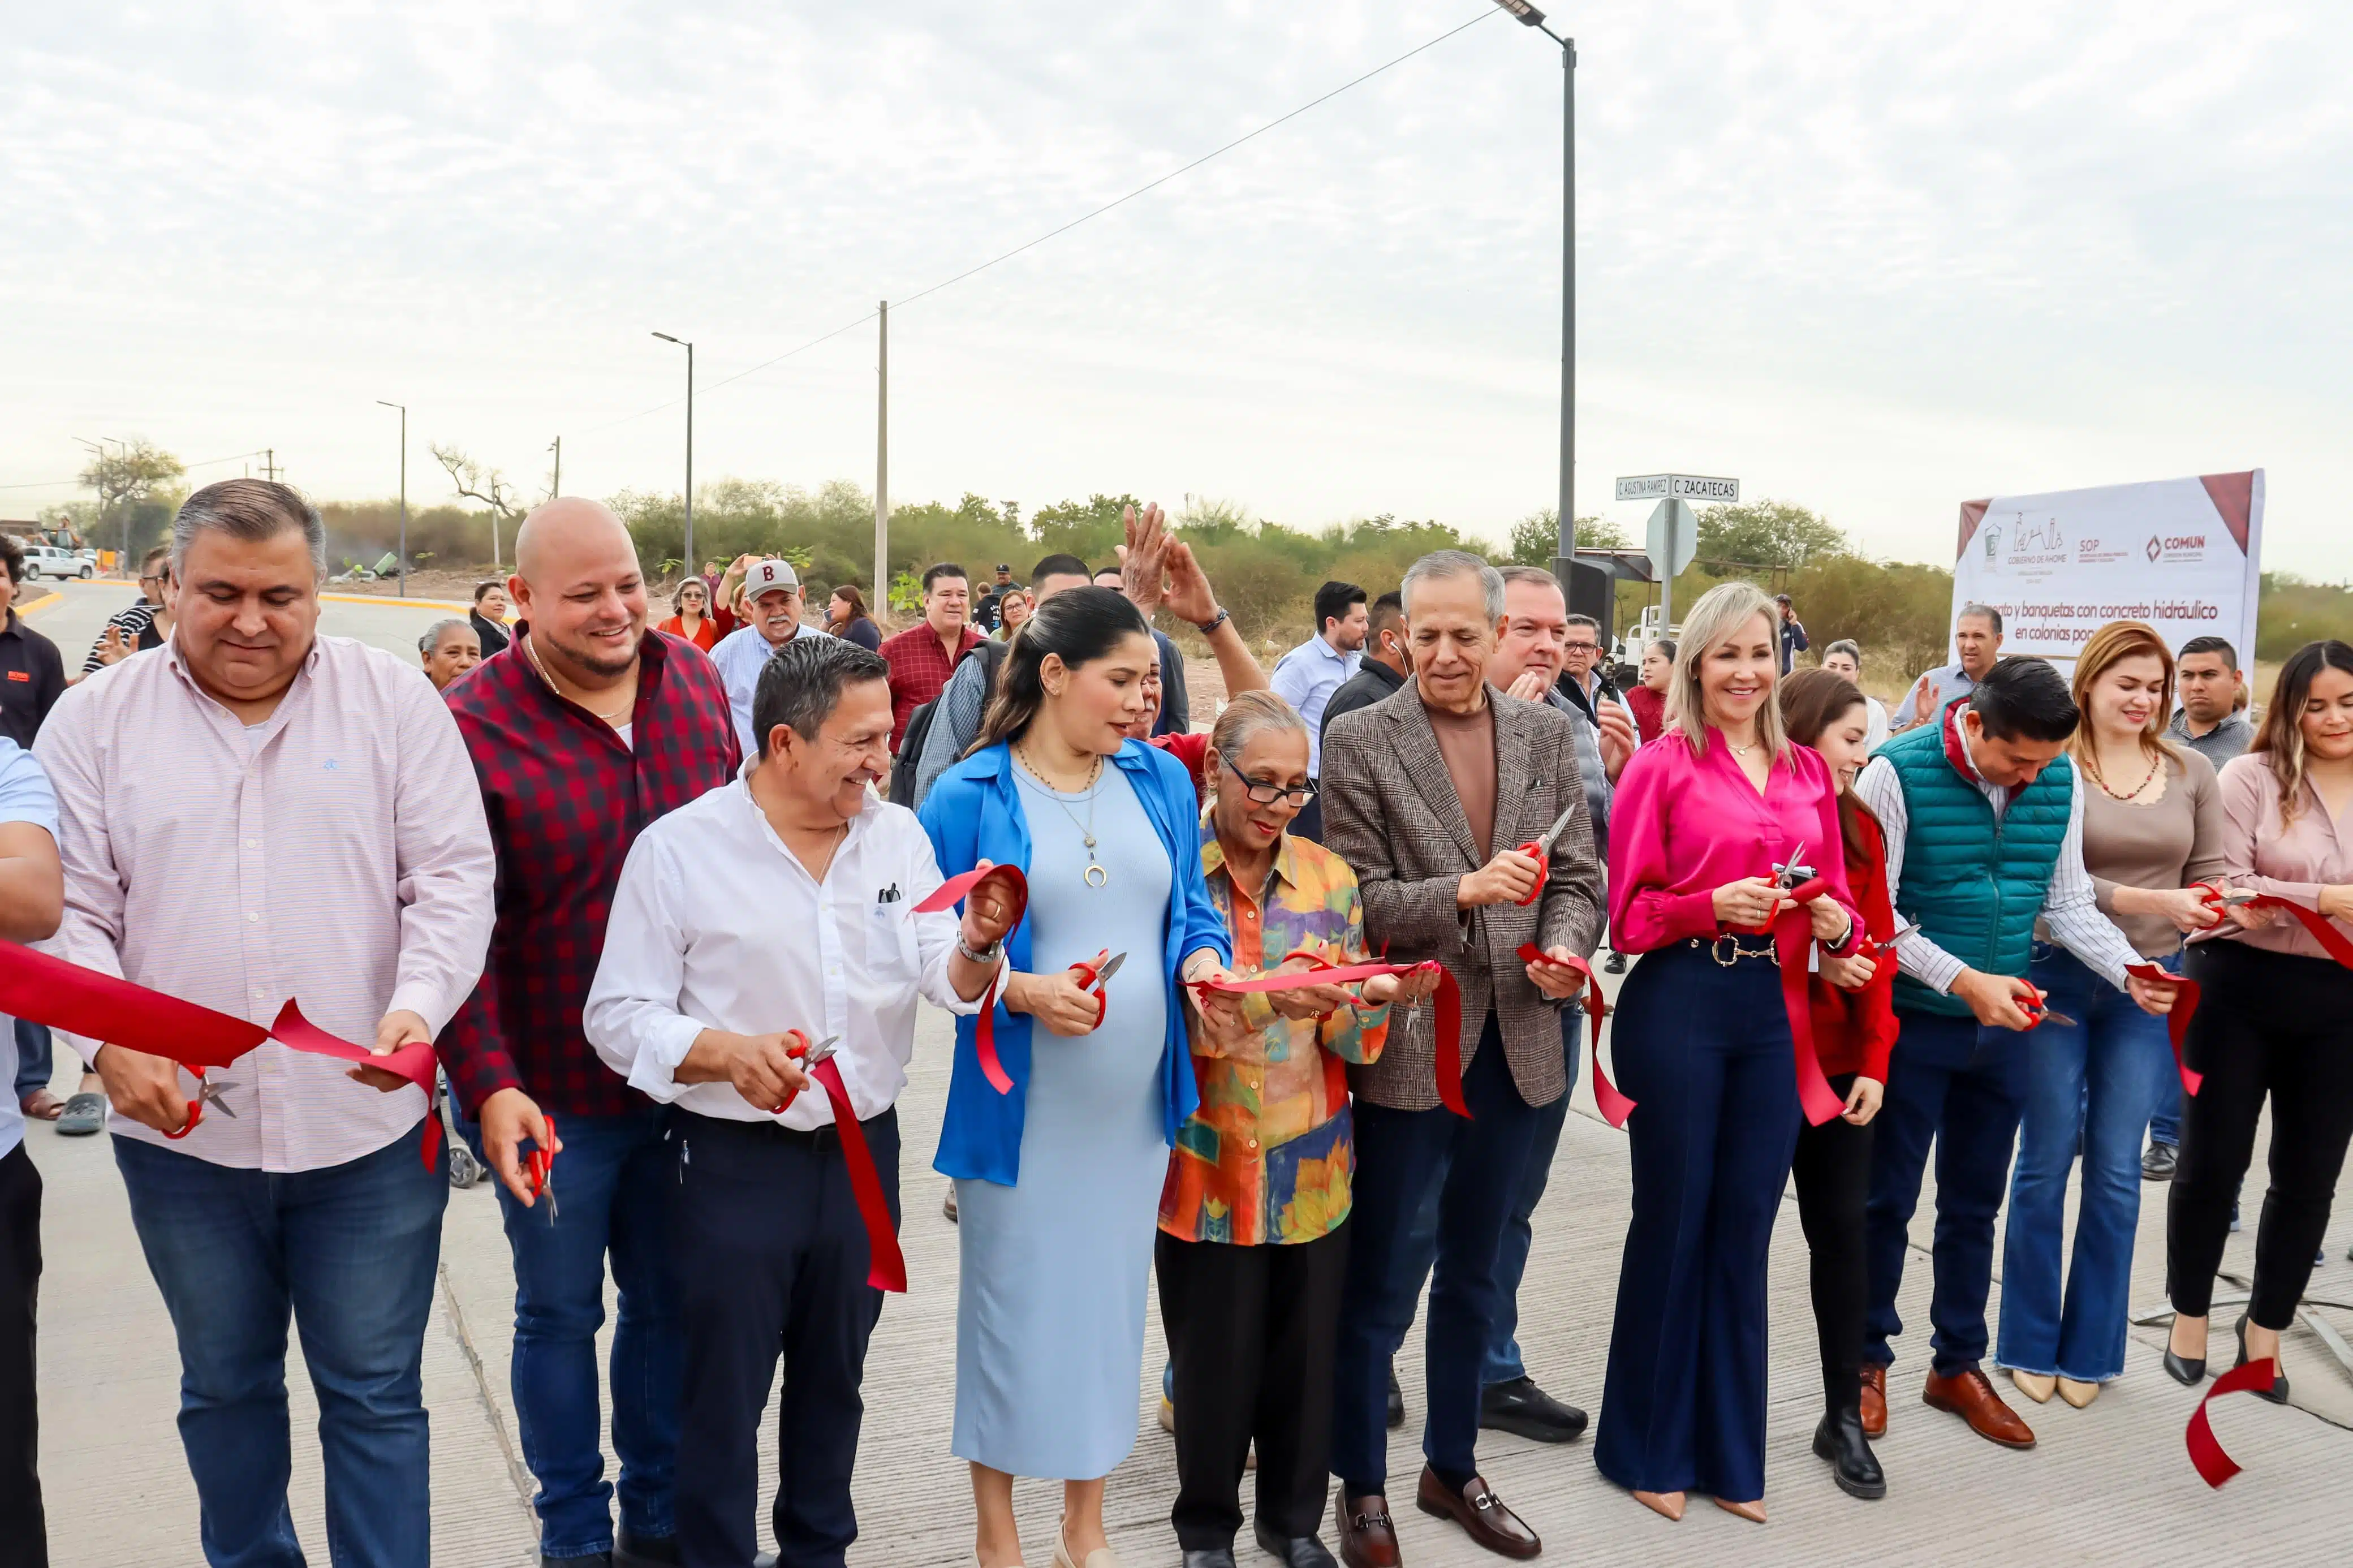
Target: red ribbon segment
(115, 1012)
(886, 1265)
(1793, 939)
(983, 1030)
(1615, 1108)
(2205, 1449)
(2177, 1022)
(2185, 1004)
(1448, 1024)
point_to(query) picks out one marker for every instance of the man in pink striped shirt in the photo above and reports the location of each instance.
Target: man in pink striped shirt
(250, 813)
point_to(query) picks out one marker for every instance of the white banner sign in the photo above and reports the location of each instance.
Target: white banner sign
(2185, 555)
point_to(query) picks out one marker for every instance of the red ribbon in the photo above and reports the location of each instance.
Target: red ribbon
(2214, 1466)
(886, 1265)
(1449, 1021)
(1615, 1108)
(1793, 939)
(984, 1031)
(2185, 1005)
(2177, 1022)
(113, 1011)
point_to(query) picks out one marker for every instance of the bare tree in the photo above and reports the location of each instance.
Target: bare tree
(472, 481)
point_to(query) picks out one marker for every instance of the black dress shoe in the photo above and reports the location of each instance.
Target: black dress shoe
(2187, 1370)
(1839, 1440)
(2158, 1165)
(1292, 1552)
(1397, 1400)
(635, 1551)
(1615, 963)
(1210, 1557)
(1521, 1408)
(2277, 1392)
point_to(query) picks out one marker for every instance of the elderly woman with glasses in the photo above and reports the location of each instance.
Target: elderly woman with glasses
(1253, 1220)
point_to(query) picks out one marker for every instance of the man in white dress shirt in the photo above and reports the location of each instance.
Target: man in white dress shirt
(772, 591)
(316, 833)
(784, 902)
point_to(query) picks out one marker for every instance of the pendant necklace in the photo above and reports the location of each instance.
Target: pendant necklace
(1096, 877)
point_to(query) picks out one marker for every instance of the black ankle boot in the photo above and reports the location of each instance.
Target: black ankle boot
(1839, 1440)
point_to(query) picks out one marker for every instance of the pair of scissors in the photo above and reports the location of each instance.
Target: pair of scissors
(1541, 850)
(207, 1093)
(1096, 973)
(1873, 945)
(2038, 1012)
(1793, 873)
(541, 1163)
(808, 1056)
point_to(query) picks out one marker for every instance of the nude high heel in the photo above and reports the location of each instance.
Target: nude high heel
(2078, 1395)
(2035, 1385)
(1752, 1512)
(1668, 1503)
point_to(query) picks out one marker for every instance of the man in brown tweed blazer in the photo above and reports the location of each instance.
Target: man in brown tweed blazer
(1427, 793)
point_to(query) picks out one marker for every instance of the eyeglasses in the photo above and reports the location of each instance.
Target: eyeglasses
(1267, 794)
(1580, 648)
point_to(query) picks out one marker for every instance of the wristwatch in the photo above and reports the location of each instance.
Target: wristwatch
(989, 954)
(1213, 623)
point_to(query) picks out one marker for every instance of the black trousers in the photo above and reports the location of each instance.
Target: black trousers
(1833, 1176)
(24, 1530)
(771, 1255)
(2271, 1025)
(1250, 1332)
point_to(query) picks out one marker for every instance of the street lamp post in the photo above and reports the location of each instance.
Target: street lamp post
(1530, 16)
(404, 491)
(99, 447)
(687, 549)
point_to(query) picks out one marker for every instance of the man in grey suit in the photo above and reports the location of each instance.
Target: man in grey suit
(1426, 794)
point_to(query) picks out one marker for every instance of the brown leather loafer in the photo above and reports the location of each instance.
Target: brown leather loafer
(1480, 1512)
(1875, 1400)
(1367, 1534)
(1970, 1396)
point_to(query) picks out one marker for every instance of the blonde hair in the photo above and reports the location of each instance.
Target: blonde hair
(1720, 614)
(2102, 650)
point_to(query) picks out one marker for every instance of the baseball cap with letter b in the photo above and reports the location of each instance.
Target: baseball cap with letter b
(769, 574)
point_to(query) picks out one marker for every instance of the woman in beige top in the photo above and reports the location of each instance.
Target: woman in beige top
(2152, 824)
(2276, 1021)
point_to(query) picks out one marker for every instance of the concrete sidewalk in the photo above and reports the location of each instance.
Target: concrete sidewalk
(2107, 1485)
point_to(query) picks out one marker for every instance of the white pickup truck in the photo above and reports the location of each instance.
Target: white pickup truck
(55, 561)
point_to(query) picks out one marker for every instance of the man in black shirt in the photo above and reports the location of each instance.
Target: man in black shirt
(32, 675)
(1386, 664)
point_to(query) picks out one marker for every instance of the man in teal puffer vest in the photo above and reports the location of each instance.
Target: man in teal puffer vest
(1984, 819)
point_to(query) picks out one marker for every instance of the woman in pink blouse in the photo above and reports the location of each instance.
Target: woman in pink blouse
(1701, 819)
(2275, 1020)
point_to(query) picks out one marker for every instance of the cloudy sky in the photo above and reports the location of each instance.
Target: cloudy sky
(1877, 259)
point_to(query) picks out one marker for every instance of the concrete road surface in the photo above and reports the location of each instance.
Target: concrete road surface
(75, 616)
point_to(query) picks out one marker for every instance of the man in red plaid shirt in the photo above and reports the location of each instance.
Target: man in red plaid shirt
(922, 657)
(584, 730)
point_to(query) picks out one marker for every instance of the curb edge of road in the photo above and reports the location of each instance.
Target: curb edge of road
(43, 603)
(391, 601)
(518, 1474)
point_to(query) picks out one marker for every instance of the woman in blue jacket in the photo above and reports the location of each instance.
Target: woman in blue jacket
(1058, 1181)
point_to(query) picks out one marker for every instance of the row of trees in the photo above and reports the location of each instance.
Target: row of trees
(1266, 572)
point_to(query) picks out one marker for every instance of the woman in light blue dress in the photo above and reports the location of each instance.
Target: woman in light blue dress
(1058, 1181)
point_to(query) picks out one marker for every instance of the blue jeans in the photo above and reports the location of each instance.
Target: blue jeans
(350, 1253)
(2092, 1084)
(1959, 1085)
(612, 1184)
(34, 1064)
(1503, 1363)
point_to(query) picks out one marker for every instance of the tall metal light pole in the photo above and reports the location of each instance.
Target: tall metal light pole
(882, 460)
(556, 484)
(687, 549)
(1530, 16)
(404, 492)
(99, 447)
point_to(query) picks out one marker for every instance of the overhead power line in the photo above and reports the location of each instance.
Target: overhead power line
(1064, 228)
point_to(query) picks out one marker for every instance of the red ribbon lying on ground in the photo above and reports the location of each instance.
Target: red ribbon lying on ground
(984, 1031)
(2205, 1449)
(1614, 1106)
(1449, 1021)
(113, 1011)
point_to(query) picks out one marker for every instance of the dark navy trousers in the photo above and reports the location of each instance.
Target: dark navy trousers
(771, 1257)
(1703, 1050)
(1961, 1085)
